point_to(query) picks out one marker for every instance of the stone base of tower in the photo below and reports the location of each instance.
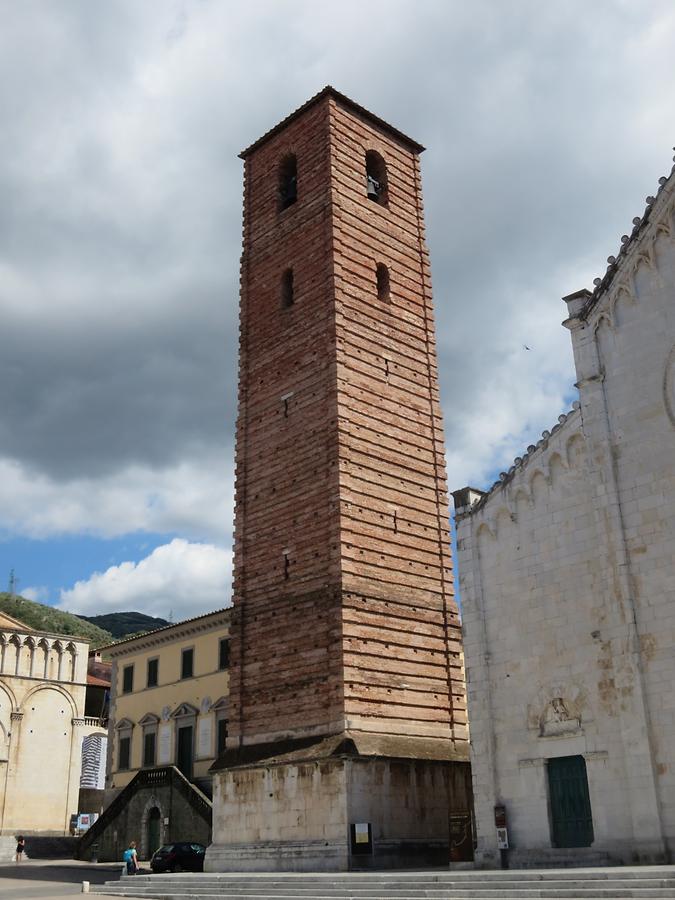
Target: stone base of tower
(297, 811)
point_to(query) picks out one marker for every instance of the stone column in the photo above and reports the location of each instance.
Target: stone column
(12, 803)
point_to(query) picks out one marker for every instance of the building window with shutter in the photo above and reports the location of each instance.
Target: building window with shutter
(153, 672)
(149, 748)
(124, 753)
(187, 662)
(149, 723)
(127, 679)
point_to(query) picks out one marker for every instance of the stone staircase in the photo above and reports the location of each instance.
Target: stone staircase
(120, 820)
(49, 846)
(614, 883)
(38, 847)
(557, 858)
(7, 848)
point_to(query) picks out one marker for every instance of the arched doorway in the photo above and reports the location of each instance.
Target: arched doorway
(154, 841)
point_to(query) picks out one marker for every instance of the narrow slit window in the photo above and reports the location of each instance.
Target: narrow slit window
(287, 565)
(287, 298)
(288, 181)
(382, 275)
(376, 178)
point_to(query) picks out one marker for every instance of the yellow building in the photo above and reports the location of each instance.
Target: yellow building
(169, 700)
(167, 725)
(43, 680)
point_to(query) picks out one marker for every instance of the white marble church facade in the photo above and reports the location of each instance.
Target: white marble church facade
(567, 575)
(43, 682)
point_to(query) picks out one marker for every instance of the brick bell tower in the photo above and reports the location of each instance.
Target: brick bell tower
(347, 725)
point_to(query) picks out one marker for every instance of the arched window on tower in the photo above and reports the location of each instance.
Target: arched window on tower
(288, 181)
(382, 275)
(376, 178)
(287, 289)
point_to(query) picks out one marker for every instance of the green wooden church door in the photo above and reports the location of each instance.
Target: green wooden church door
(153, 831)
(571, 819)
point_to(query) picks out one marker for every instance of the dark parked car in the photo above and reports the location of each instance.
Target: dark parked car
(179, 857)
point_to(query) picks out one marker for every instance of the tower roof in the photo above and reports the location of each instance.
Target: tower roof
(343, 100)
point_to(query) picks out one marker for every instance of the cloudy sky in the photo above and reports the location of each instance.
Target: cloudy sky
(547, 124)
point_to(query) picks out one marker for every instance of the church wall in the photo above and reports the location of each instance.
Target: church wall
(567, 574)
(537, 554)
(635, 339)
(42, 724)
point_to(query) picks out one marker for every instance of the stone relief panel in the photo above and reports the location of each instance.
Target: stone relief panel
(558, 718)
(559, 710)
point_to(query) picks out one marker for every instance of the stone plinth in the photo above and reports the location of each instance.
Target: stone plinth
(293, 811)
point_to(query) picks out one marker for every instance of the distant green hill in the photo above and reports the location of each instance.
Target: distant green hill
(123, 624)
(46, 618)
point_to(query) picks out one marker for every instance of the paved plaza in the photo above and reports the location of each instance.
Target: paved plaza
(49, 879)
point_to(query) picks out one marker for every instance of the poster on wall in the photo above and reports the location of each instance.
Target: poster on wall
(164, 751)
(204, 736)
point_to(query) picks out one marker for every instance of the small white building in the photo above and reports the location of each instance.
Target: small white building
(567, 575)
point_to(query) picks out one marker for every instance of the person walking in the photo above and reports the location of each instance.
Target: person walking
(131, 858)
(20, 847)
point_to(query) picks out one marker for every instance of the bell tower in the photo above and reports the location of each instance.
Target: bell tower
(347, 708)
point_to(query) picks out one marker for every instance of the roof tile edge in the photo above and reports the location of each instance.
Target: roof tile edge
(330, 91)
(628, 241)
(519, 463)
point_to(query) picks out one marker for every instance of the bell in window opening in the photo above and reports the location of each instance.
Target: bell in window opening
(288, 181)
(376, 178)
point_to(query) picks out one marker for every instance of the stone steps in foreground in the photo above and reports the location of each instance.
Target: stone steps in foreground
(521, 884)
(580, 894)
(424, 877)
(7, 848)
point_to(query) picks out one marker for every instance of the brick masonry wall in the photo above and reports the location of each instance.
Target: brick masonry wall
(567, 573)
(344, 614)
(402, 646)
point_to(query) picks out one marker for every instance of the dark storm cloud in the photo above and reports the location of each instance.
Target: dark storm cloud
(118, 266)
(547, 124)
